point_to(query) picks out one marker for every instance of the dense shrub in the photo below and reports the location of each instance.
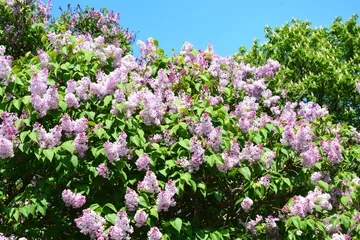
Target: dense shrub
(95, 143)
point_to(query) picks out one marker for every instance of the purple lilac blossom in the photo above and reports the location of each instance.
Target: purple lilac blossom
(103, 171)
(154, 234)
(140, 218)
(75, 200)
(131, 199)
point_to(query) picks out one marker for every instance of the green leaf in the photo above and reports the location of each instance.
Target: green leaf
(49, 153)
(344, 200)
(245, 171)
(154, 213)
(74, 160)
(111, 217)
(68, 146)
(323, 185)
(287, 181)
(144, 200)
(34, 136)
(23, 135)
(185, 143)
(111, 206)
(176, 223)
(202, 187)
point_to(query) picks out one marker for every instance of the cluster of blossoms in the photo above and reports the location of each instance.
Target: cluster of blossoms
(246, 204)
(5, 66)
(122, 228)
(332, 150)
(149, 183)
(140, 218)
(143, 162)
(303, 206)
(117, 149)
(131, 199)
(75, 200)
(103, 170)
(43, 96)
(165, 197)
(358, 86)
(90, 223)
(81, 88)
(76, 127)
(310, 111)
(49, 139)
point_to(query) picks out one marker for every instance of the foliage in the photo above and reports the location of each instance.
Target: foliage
(317, 64)
(95, 143)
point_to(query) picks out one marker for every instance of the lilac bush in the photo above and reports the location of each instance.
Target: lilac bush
(189, 146)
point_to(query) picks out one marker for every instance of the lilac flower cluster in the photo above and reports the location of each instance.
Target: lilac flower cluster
(122, 228)
(332, 150)
(80, 144)
(90, 223)
(117, 149)
(81, 88)
(131, 199)
(267, 70)
(43, 58)
(302, 206)
(6, 148)
(154, 234)
(251, 225)
(140, 218)
(149, 183)
(103, 170)
(153, 108)
(49, 139)
(324, 176)
(43, 98)
(251, 153)
(147, 50)
(5, 66)
(8, 129)
(75, 200)
(143, 162)
(310, 111)
(358, 86)
(246, 204)
(165, 197)
(265, 180)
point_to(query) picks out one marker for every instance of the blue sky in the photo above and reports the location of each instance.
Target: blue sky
(226, 24)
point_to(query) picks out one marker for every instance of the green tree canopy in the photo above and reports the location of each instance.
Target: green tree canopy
(317, 64)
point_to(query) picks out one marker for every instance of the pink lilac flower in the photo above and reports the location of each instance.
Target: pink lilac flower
(252, 224)
(143, 162)
(117, 149)
(43, 58)
(49, 139)
(140, 218)
(6, 148)
(80, 144)
(149, 183)
(340, 236)
(165, 198)
(246, 204)
(268, 158)
(251, 153)
(75, 200)
(310, 111)
(5, 66)
(131, 199)
(122, 228)
(8, 129)
(102, 170)
(330, 228)
(332, 150)
(153, 109)
(154, 234)
(230, 161)
(316, 176)
(271, 222)
(358, 86)
(265, 180)
(311, 156)
(205, 126)
(168, 139)
(214, 139)
(268, 70)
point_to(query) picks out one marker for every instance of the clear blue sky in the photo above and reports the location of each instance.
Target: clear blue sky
(226, 24)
